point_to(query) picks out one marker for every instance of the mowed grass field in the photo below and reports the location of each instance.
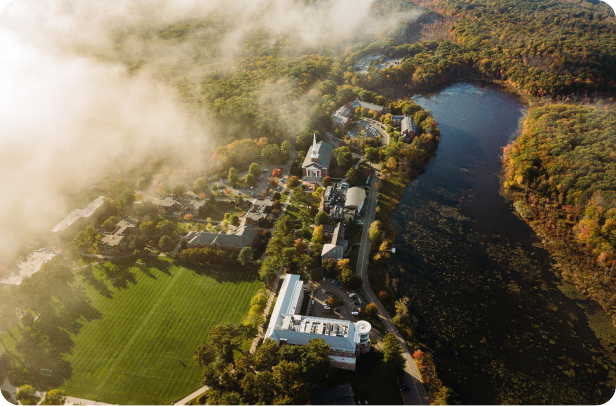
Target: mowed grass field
(152, 318)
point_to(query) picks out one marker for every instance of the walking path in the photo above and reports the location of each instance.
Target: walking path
(412, 377)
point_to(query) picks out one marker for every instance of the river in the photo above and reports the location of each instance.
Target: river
(486, 297)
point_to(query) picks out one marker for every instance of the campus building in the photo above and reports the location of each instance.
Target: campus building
(369, 106)
(316, 163)
(287, 327)
(78, 218)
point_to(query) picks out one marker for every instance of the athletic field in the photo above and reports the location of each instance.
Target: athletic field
(152, 317)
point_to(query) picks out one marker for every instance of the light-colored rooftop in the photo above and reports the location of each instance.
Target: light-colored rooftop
(78, 213)
(28, 267)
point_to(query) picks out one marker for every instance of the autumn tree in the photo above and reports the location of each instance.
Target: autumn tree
(54, 397)
(188, 216)
(293, 182)
(371, 309)
(327, 181)
(300, 247)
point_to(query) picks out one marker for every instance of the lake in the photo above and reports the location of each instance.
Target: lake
(487, 298)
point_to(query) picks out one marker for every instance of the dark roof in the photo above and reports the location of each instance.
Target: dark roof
(196, 204)
(243, 237)
(336, 395)
(325, 155)
(366, 105)
(166, 202)
(338, 234)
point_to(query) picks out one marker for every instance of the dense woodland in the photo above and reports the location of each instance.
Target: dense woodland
(562, 174)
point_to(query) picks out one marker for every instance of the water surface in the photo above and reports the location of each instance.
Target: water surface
(503, 326)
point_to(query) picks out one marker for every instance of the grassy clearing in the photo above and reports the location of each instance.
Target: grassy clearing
(139, 351)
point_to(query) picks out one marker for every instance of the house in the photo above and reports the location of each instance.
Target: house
(169, 204)
(369, 106)
(336, 395)
(355, 199)
(117, 241)
(79, 218)
(316, 163)
(195, 206)
(340, 118)
(346, 339)
(244, 236)
(335, 249)
(259, 209)
(407, 128)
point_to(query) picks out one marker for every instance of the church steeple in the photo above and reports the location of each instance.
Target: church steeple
(315, 152)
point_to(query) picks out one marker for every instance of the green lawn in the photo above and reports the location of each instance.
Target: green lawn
(139, 351)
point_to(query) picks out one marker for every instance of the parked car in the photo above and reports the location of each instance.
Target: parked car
(355, 313)
(357, 303)
(326, 307)
(353, 295)
(324, 279)
(265, 170)
(313, 301)
(337, 309)
(404, 387)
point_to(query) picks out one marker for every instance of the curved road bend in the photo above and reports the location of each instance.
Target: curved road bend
(416, 395)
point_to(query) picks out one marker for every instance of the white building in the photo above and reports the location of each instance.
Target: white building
(78, 217)
(286, 327)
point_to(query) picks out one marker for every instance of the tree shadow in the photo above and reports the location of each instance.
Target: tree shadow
(119, 276)
(99, 285)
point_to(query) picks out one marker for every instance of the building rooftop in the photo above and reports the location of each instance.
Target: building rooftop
(355, 197)
(325, 155)
(86, 212)
(336, 395)
(407, 124)
(368, 106)
(243, 237)
(28, 267)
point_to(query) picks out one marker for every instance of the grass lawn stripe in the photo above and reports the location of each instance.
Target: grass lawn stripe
(134, 331)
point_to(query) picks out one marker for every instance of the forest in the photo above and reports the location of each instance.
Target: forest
(561, 171)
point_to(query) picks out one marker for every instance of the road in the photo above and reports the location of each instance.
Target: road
(416, 395)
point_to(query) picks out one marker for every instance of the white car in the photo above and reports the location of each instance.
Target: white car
(326, 307)
(355, 313)
(353, 295)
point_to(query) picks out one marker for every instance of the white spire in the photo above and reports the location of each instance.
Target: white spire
(315, 154)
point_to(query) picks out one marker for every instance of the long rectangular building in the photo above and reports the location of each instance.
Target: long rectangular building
(287, 327)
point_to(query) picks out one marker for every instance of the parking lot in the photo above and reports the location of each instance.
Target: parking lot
(323, 290)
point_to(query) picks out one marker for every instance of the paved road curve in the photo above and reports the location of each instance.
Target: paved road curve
(416, 395)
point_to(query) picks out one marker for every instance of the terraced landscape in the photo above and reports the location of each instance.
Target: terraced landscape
(153, 316)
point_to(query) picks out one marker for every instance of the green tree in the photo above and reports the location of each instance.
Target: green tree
(251, 179)
(199, 185)
(342, 156)
(233, 177)
(285, 149)
(393, 356)
(371, 154)
(88, 237)
(54, 397)
(239, 202)
(166, 227)
(27, 395)
(371, 310)
(271, 153)
(234, 219)
(254, 169)
(268, 269)
(110, 223)
(352, 175)
(316, 361)
(147, 228)
(266, 355)
(245, 255)
(321, 218)
(293, 182)
(165, 243)
(290, 382)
